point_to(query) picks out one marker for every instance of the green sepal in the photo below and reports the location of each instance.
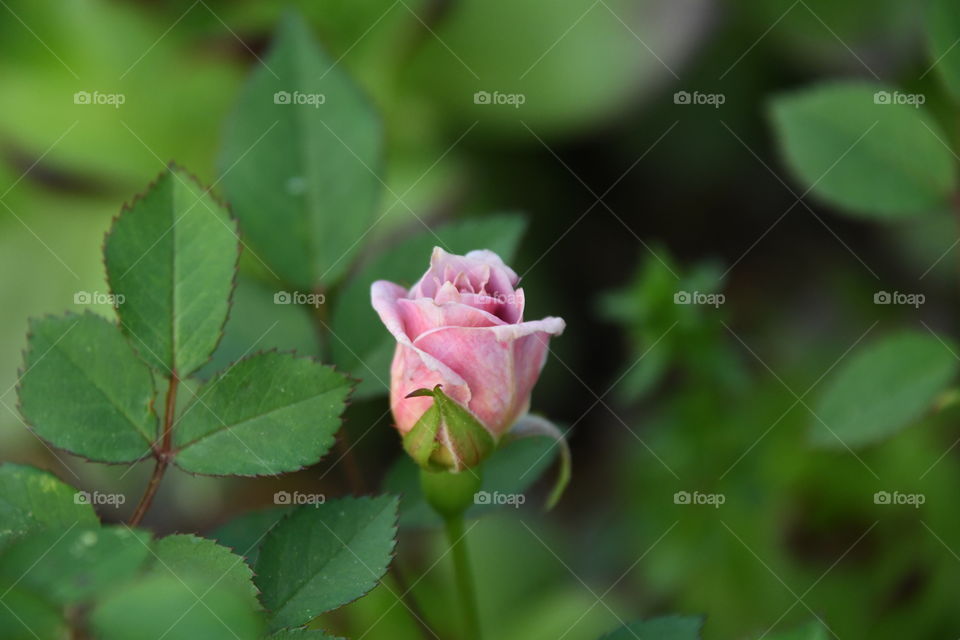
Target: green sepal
(447, 436)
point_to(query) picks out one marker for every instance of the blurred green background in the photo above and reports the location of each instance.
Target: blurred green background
(630, 197)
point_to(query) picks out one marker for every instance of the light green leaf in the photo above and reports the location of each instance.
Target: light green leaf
(31, 500)
(162, 606)
(171, 257)
(270, 413)
(882, 389)
(75, 564)
(84, 389)
(666, 628)
(206, 563)
(943, 32)
(300, 161)
(324, 556)
(447, 436)
(245, 533)
(855, 146)
(361, 345)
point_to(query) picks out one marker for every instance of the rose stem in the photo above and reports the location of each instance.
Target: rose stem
(162, 454)
(463, 576)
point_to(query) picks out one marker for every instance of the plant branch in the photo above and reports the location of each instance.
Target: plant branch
(162, 454)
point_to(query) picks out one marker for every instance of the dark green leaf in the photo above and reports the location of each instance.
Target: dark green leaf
(27, 616)
(206, 563)
(854, 146)
(360, 344)
(85, 390)
(171, 257)
(31, 499)
(943, 32)
(324, 556)
(302, 177)
(245, 533)
(882, 389)
(162, 606)
(75, 564)
(267, 414)
(300, 634)
(667, 628)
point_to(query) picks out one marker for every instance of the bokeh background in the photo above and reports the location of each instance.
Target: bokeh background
(629, 198)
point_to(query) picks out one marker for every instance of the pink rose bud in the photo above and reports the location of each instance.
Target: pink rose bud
(461, 327)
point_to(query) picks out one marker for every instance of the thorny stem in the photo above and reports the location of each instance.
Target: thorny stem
(162, 454)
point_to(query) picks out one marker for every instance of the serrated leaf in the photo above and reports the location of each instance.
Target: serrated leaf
(205, 562)
(75, 564)
(666, 628)
(171, 257)
(361, 346)
(246, 533)
(852, 145)
(162, 606)
(324, 556)
(31, 500)
(301, 174)
(27, 616)
(943, 32)
(882, 389)
(84, 389)
(267, 414)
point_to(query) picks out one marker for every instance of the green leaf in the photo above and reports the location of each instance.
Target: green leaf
(882, 389)
(870, 158)
(303, 178)
(171, 257)
(27, 616)
(666, 628)
(267, 414)
(943, 31)
(245, 533)
(84, 389)
(300, 634)
(360, 344)
(810, 631)
(324, 556)
(206, 563)
(31, 500)
(162, 606)
(74, 565)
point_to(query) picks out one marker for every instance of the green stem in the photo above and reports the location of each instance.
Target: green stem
(463, 576)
